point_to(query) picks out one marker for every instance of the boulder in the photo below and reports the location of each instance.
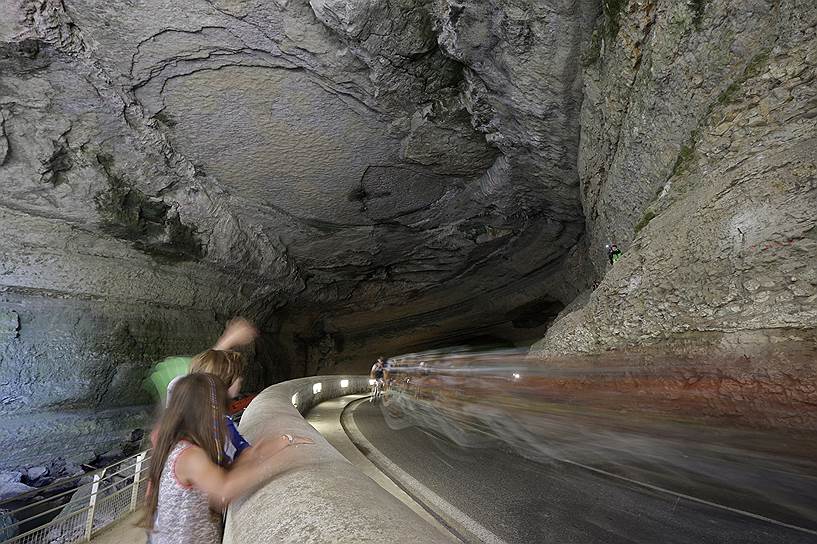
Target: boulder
(6, 529)
(35, 473)
(11, 485)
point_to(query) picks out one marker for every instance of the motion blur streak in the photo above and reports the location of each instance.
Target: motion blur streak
(735, 432)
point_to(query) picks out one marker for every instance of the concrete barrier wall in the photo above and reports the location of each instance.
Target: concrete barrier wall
(317, 496)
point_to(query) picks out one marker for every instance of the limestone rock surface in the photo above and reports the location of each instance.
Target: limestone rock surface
(697, 156)
(367, 177)
(357, 176)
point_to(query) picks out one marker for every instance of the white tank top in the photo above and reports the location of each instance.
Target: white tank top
(183, 514)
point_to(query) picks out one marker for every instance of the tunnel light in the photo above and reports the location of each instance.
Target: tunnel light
(344, 383)
(516, 376)
(295, 399)
(371, 381)
(316, 388)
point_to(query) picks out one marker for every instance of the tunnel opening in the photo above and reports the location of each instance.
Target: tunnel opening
(536, 313)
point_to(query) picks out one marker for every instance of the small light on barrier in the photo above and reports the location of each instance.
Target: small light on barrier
(344, 383)
(371, 381)
(516, 376)
(316, 388)
(295, 399)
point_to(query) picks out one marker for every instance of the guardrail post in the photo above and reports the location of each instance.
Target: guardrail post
(89, 524)
(137, 471)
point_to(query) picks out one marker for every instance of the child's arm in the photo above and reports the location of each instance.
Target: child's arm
(194, 467)
(238, 332)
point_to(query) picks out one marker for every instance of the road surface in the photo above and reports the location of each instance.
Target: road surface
(521, 501)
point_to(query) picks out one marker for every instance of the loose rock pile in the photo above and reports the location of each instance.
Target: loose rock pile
(28, 485)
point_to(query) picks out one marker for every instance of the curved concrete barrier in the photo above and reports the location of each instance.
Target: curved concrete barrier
(318, 496)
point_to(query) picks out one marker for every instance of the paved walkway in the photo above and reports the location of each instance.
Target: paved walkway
(124, 532)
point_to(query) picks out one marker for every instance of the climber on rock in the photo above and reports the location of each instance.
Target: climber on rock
(613, 253)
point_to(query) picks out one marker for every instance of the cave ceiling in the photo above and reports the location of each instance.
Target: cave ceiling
(403, 163)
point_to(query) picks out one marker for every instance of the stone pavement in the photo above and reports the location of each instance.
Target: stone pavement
(124, 532)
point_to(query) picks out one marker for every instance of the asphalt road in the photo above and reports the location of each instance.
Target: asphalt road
(523, 501)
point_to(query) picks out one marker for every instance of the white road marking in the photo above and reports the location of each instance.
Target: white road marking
(689, 497)
(673, 493)
(430, 500)
(609, 475)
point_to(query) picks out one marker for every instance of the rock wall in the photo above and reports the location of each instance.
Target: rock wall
(699, 126)
(357, 176)
(381, 176)
(104, 227)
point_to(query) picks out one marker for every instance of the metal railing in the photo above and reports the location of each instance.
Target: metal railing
(115, 492)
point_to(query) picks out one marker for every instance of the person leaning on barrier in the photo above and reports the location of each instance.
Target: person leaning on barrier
(187, 480)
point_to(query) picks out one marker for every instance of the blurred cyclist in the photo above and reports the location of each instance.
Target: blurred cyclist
(377, 374)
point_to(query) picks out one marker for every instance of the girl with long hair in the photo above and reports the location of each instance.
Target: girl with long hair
(187, 479)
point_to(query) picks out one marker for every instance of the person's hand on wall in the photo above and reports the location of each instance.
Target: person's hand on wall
(272, 446)
(269, 447)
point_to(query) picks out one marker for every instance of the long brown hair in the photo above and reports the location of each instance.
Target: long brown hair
(196, 413)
